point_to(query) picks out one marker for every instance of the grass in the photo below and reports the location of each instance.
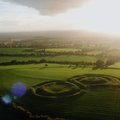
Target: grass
(114, 53)
(34, 74)
(101, 104)
(116, 65)
(93, 80)
(55, 88)
(63, 49)
(22, 50)
(13, 50)
(94, 52)
(71, 58)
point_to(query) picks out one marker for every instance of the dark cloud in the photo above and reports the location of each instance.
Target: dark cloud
(50, 7)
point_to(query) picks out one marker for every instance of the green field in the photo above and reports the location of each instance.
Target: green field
(71, 58)
(22, 50)
(36, 57)
(116, 65)
(52, 72)
(60, 90)
(102, 103)
(13, 50)
(33, 74)
(63, 49)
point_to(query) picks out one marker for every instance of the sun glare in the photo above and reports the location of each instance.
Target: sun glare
(100, 16)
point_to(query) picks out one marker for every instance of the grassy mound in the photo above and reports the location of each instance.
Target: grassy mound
(65, 98)
(55, 89)
(96, 81)
(93, 80)
(74, 86)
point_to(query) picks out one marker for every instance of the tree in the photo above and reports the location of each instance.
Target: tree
(42, 61)
(13, 61)
(46, 65)
(99, 64)
(109, 62)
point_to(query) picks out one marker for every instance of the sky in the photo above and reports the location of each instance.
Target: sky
(101, 16)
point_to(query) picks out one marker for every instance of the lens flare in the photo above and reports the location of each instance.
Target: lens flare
(18, 89)
(7, 99)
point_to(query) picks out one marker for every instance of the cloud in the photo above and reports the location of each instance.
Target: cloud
(49, 7)
(8, 22)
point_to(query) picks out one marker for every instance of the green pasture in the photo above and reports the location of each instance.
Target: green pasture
(95, 104)
(116, 65)
(22, 50)
(71, 58)
(37, 73)
(14, 50)
(63, 49)
(103, 104)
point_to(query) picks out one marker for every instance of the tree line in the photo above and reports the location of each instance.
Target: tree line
(98, 64)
